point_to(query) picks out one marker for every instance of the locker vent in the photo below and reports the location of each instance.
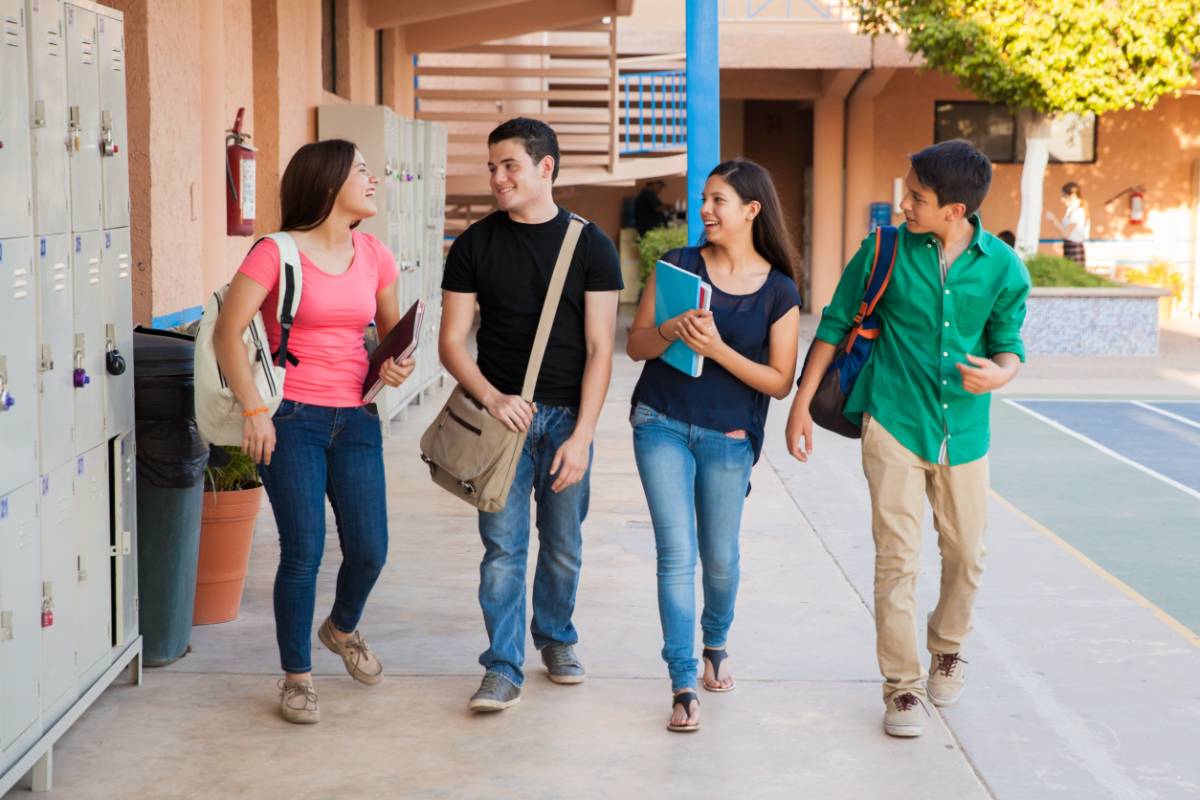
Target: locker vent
(12, 32)
(118, 61)
(87, 52)
(53, 43)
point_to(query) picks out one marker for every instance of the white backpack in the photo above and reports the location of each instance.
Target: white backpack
(218, 413)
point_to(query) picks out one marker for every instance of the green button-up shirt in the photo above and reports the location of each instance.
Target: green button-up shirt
(928, 324)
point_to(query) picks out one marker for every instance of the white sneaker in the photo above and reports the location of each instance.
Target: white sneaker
(946, 678)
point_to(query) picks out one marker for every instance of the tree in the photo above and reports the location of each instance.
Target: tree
(1049, 57)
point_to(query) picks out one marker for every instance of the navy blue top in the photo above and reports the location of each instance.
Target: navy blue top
(717, 400)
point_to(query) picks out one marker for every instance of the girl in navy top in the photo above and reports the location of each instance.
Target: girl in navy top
(696, 439)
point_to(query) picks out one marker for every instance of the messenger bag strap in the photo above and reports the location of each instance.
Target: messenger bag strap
(550, 307)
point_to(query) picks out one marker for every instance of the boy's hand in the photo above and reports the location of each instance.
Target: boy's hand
(800, 425)
(983, 375)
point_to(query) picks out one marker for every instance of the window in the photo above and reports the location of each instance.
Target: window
(329, 37)
(379, 67)
(1000, 134)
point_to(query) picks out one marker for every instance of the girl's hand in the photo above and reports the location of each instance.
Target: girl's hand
(699, 332)
(258, 438)
(1050, 216)
(393, 374)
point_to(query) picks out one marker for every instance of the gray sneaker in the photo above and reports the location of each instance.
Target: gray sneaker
(298, 702)
(904, 715)
(496, 693)
(561, 664)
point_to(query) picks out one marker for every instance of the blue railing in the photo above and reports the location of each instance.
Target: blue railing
(784, 9)
(652, 112)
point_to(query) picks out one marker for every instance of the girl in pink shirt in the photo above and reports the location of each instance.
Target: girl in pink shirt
(323, 441)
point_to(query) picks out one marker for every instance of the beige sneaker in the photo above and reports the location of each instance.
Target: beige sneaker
(946, 678)
(298, 702)
(360, 662)
(905, 715)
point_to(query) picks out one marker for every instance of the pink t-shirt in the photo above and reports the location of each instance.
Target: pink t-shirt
(327, 336)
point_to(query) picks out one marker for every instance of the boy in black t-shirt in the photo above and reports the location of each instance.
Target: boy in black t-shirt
(505, 262)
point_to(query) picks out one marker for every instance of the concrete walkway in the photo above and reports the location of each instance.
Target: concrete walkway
(1075, 690)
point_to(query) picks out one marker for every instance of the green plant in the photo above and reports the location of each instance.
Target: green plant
(1048, 270)
(239, 472)
(1158, 273)
(654, 243)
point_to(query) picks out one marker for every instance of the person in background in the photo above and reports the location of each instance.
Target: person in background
(1008, 237)
(323, 441)
(649, 211)
(1074, 226)
(695, 440)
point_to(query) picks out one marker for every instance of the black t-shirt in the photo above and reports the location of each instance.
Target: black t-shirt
(507, 265)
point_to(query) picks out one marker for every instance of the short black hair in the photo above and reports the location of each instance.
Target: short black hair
(537, 137)
(956, 171)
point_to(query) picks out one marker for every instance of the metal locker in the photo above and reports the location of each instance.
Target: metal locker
(93, 633)
(18, 364)
(83, 118)
(88, 350)
(55, 343)
(48, 117)
(117, 288)
(59, 594)
(114, 152)
(16, 197)
(20, 613)
(123, 525)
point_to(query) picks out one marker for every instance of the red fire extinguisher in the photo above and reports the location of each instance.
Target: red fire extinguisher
(239, 189)
(1137, 207)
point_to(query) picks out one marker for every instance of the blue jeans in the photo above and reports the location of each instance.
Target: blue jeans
(322, 451)
(505, 536)
(695, 481)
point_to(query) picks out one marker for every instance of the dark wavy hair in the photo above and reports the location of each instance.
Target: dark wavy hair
(771, 238)
(311, 183)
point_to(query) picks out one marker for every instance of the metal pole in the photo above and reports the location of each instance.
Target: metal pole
(703, 105)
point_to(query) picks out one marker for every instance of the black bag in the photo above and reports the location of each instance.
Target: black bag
(829, 403)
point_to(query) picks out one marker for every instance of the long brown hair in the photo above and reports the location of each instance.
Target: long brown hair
(311, 183)
(771, 238)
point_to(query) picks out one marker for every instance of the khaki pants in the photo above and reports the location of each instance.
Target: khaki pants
(899, 482)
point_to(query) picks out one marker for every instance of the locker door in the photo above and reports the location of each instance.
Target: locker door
(55, 349)
(48, 113)
(58, 590)
(20, 612)
(83, 118)
(114, 154)
(123, 503)
(16, 199)
(87, 367)
(117, 288)
(18, 364)
(93, 634)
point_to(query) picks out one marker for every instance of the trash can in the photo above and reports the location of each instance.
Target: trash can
(171, 458)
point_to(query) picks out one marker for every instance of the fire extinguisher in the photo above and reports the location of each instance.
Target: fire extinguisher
(1137, 207)
(239, 190)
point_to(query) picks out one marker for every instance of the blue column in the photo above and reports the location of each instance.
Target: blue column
(703, 105)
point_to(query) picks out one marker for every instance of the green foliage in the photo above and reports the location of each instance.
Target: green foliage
(654, 243)
(1047, 270)
(239, 473)
(1051, 56)
(1158, 273)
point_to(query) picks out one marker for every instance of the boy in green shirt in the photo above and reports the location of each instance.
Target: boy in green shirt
(950, 335)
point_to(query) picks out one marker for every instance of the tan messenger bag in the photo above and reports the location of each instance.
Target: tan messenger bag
(470, 453)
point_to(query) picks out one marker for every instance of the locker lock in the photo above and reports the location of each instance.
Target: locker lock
(47, 604)
(114, 362)
(107, 146)
(6, 400)
(80, 376)
(74, 127)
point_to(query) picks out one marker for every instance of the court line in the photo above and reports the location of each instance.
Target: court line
(1107, 451)
(1190, 636)
(1165, 413)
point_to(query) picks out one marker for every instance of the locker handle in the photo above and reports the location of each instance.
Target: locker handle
(6, 400)
(6, 626)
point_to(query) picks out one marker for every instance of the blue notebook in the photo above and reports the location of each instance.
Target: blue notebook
(676, 291)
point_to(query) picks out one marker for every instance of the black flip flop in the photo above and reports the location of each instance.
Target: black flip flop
(684, 699)
(716, 658)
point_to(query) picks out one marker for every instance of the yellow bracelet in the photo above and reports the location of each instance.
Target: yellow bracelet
(262, 410)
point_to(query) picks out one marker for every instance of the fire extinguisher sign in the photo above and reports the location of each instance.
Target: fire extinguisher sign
(247, 197)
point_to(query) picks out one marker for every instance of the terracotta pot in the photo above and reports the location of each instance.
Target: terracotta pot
(226, 532)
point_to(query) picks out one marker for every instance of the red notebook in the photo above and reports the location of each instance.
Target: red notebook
(399, 345)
